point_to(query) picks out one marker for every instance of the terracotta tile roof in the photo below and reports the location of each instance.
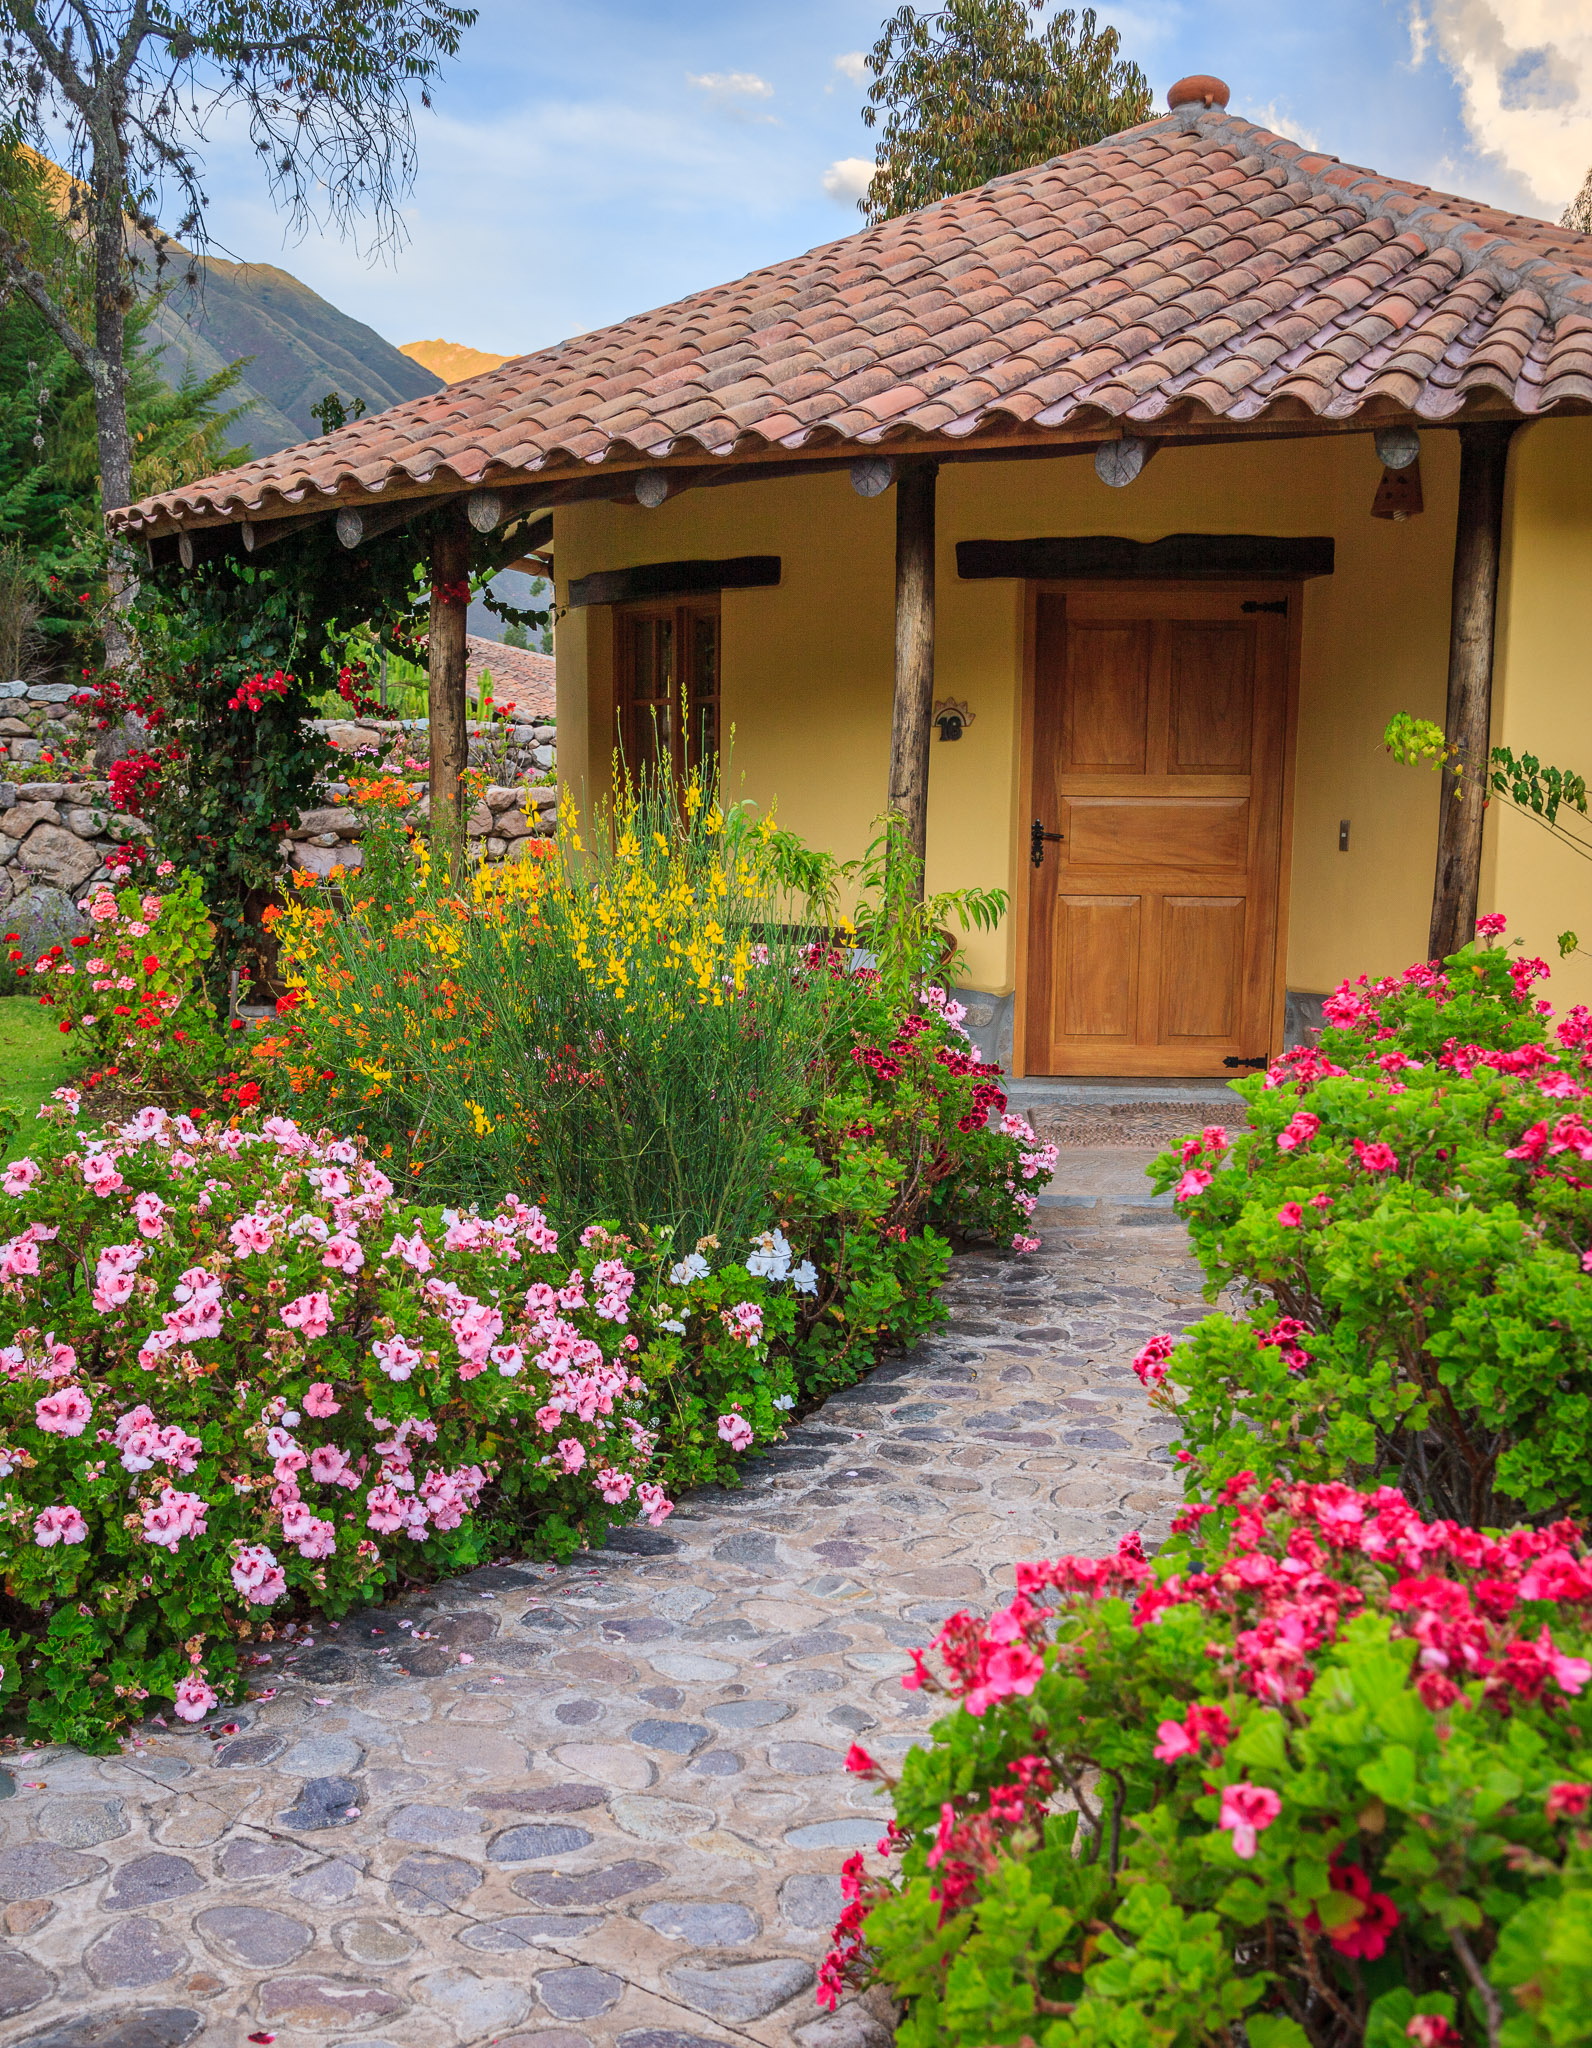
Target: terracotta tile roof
(1196, 268)
(521, 679)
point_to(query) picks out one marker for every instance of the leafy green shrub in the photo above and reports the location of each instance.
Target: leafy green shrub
(1407, 1215)
(129, 995)
(1327, 1778)
(239, 1370)
(641, 1030)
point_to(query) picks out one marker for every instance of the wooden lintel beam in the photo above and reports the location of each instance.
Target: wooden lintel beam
(1249, 557)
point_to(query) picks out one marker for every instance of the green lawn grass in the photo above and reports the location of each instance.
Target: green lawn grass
(32, 1060)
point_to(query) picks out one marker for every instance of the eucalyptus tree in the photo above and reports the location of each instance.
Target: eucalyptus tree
(123, 94)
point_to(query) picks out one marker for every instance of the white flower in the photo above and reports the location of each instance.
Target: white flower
(805, 1278)
(771, 1259)
(783, 1401)
(692, 1267)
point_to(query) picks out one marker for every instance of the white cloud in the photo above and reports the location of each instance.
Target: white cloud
(854, 65)
(1524, 70)
(730, 85)
(1281, 122)
(848, 178)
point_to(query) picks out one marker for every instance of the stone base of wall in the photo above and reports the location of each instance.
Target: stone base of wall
(55, 841)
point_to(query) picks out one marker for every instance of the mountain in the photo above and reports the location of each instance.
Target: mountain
(302, 347)
(451, 360)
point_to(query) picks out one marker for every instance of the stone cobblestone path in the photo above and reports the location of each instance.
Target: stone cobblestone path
(563, 1808)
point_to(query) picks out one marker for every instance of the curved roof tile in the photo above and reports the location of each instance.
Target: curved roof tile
(1196, 263)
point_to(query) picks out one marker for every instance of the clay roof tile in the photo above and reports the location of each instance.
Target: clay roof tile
(1196, 263)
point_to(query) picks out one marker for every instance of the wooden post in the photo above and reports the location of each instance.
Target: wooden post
(1483, 458)
(914, 651)
(450, 604)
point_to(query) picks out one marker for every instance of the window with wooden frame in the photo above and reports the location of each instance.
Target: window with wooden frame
(668, 683)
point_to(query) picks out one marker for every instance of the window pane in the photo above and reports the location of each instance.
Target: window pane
(653, 658)
(704, 655)
(652, 728)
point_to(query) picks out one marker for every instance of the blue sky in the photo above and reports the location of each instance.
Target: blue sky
(588, 161)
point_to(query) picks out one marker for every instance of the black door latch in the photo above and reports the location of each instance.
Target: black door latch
(1234, 1059)
(1265, 604)
(1036, 843)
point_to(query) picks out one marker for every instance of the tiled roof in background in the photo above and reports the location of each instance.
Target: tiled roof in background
(1196, 268)
(522, 681)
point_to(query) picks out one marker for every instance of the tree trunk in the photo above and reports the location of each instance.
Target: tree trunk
(914, 652)
(112, 292)
(450, 604)
(1483, 459)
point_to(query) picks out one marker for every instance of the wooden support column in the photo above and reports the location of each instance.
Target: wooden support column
(914, 650)
(1478, 539)
(445, 692)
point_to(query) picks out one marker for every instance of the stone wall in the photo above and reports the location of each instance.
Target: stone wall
(55, 840)
(519, 803)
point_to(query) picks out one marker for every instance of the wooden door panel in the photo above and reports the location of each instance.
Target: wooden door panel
(1159, 719)
(1106, 703)
(1201, 966)
(1213, 718)
(1143, 832)
(1098, 956)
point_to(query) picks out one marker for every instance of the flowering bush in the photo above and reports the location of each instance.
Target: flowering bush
(1329, 1779)
(128, 992)
(239, 1371)
(1409, 1213)
(633, 1033)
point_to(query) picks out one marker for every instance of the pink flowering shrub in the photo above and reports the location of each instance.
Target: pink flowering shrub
(1409, 1211)
(1326, 1775)
(238, 1373)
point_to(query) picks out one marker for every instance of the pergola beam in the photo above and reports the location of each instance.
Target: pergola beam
(1478, 545)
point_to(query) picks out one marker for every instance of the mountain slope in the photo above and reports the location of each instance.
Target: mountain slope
(451, 360)
(302, 347)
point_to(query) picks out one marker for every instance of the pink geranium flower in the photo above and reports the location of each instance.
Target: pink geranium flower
(1376, 1158)
(656, 1506)
(149, 1213)
(396, 1356)
(1194, 1182)
(1290, 1216)
(58, 1524)
(311, 1313)
(736, 1431)
(63, 1414)
(1247, 1810)
(193, 1699)
(319, 1400)
(20, 1176)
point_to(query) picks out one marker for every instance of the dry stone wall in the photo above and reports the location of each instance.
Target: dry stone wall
(56, 837)
(518, 804)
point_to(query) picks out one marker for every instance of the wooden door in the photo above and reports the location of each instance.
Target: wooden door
(1159, 727)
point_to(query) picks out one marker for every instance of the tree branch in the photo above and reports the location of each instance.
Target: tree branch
(24, 278)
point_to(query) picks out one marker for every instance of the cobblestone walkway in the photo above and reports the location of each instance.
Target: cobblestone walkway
(602, 1804)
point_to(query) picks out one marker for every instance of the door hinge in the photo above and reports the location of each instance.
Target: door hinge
(1265, 604)
(1036, 842)
(1234, 1059)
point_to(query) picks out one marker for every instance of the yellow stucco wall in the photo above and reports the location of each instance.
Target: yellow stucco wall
(806, 666)
(1542, 691)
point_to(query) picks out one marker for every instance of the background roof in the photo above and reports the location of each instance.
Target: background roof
(1197, 269)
